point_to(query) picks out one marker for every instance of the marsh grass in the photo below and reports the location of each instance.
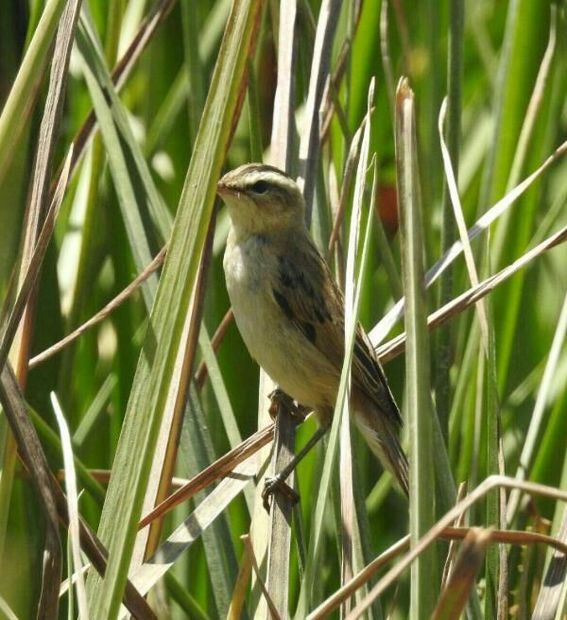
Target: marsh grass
(109, 161)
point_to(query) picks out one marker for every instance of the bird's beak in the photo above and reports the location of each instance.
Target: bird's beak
(223, 189)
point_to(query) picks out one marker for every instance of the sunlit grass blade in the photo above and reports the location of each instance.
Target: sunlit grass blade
(210, 474)
(419, 413)
(197, 522)
(52, 444)
(493, 482)
(354, 541)
(454, 597)
(166, 448)
(487, 339)
(535, 104)
(460, 224)
(152, 383)
(552, 599)
(117, 127)
(309, 148)
(536, 422)
(196, 453)
(53, 500)
(6, 610)
(455, 534)
(518, 70)
(310, 577)
(383, 327)
(73, 506)
(276, 545)
(133, 190)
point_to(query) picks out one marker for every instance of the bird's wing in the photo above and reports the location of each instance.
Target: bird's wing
(370, 378)
(315, 306)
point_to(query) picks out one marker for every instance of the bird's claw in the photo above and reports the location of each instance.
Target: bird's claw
(275, 484)
(279, 399)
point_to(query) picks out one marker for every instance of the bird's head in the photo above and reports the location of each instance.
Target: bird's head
(262, 199)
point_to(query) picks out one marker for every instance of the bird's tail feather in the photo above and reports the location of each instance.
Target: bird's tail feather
(384, 443)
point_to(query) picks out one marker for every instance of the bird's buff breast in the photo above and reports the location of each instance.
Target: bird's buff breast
(250, 270)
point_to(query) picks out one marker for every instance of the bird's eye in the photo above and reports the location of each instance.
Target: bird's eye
(260, 187)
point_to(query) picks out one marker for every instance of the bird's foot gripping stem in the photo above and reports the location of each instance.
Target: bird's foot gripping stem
(276, 484)
(280, 400)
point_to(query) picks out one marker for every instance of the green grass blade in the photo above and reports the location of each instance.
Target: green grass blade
(152, 386)
(310, 579)
(133, 180)
(448, 234)
(24, 92)
(195, 525)
(424, 574)
(198, 452)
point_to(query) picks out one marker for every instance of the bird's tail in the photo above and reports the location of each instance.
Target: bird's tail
(383, 440)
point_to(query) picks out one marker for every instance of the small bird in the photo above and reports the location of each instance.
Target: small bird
(290, 312)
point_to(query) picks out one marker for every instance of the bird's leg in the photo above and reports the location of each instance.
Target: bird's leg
(280, 410)
(278, 483)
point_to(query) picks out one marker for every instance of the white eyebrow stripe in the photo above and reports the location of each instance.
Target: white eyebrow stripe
(245, 177)
(276, 181)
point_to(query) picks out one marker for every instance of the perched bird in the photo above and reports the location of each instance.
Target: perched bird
(290, 312)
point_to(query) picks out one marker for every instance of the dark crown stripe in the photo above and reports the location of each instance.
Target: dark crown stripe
(266, 168)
